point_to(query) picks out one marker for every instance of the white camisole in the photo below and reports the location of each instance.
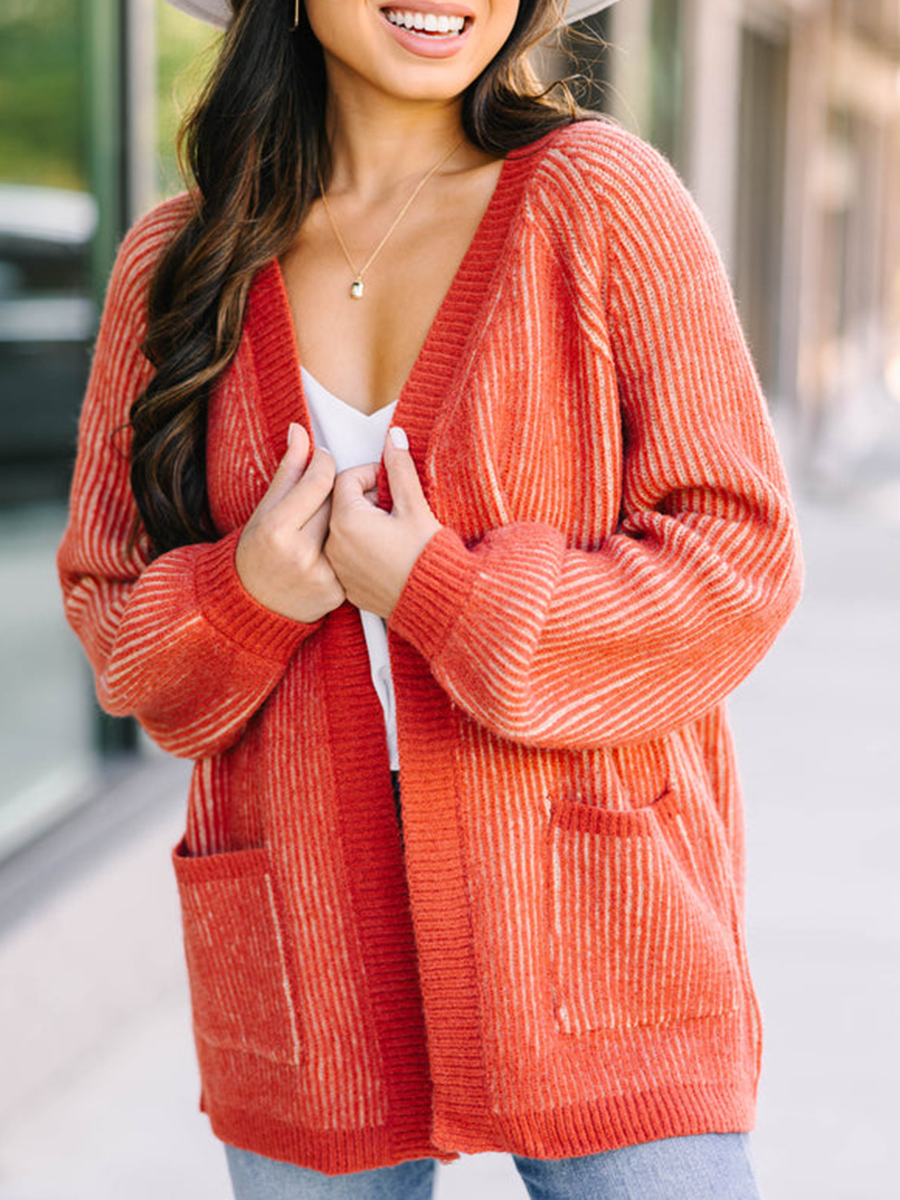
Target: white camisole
(353, 438)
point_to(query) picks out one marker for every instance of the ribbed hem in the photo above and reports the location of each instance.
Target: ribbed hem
(608, 1124)
(333, 1152)
(435, 594)
(232, 610)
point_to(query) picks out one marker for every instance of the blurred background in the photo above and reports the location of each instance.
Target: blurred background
(784, 118)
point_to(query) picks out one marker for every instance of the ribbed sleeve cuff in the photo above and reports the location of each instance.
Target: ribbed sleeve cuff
(435, 594)
(226, 604)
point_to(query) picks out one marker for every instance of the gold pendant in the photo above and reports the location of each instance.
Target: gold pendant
(356, 289)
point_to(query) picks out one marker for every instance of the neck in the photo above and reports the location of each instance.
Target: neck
(378, 144)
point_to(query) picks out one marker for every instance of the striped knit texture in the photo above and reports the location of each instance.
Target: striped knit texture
(552, 961)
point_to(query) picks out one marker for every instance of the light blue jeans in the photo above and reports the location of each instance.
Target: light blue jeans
(708, 1166)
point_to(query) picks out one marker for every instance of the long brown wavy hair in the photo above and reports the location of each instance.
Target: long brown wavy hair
(253, 148)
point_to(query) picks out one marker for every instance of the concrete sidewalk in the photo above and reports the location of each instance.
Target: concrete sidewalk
(98, 1071)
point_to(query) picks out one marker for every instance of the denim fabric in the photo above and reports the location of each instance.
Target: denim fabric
(256, 1178)
(709, 1166)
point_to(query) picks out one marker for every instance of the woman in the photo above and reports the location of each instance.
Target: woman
(535, 943)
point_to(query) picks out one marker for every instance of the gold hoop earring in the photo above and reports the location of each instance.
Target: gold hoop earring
(296, 23)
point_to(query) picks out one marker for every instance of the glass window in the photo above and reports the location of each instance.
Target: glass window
(47, 317)
(47, 221)
(66, 159)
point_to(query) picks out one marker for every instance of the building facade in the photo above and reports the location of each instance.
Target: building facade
(784, 118)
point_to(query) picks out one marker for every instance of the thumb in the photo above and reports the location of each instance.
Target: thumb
(403, 478)
(290, 469)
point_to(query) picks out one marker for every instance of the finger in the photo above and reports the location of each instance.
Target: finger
(316, 528)
(351, 485)
(289, 470)
(309, 493)
(403, 478)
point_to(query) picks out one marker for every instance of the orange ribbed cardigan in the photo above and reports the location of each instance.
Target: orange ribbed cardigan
(552, 962)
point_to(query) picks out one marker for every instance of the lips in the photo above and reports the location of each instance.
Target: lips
(426, 23)
(427, 29)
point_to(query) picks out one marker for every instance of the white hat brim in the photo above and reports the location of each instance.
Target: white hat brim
(577, 10)
(218, 12)
(213, 12)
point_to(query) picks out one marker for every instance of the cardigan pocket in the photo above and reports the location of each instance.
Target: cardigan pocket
(238, 960)
(640, 934)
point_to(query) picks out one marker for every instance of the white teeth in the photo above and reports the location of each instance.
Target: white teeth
(431, 23)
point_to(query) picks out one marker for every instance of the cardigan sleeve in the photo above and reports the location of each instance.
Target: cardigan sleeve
(176, 641)
(557, 646)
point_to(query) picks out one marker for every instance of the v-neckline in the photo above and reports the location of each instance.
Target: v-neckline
(269, 327)
(309, 380)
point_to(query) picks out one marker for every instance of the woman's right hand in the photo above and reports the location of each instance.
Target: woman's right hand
(279, 557)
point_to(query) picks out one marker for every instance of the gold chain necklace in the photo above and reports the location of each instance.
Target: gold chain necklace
(357, 288)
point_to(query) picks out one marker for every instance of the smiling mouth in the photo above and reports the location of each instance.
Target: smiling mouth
(426, 25)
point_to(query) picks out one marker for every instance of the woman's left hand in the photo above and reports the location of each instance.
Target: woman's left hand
(372, 552)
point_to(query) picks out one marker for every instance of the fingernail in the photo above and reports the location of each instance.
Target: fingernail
(399, 438)
(293, 425)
